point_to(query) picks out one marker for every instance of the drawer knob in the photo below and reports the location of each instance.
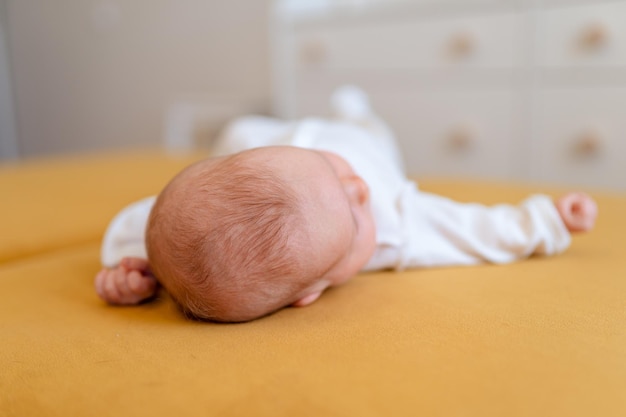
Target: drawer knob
(461, 139)
(595, 36)
(462, 44)
(589, 144)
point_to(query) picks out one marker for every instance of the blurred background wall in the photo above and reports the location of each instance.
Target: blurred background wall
(96, 74)
(508, 89)
(8, 136)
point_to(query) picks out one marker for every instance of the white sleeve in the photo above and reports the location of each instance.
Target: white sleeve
(126, 232)
(443, 232)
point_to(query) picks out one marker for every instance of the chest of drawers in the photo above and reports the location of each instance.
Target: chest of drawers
(493, 89)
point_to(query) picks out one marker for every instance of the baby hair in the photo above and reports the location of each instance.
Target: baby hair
(222, 239)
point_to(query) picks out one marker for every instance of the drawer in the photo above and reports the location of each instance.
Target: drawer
(474, 41)
(580, 138)
(446, 133)
(585, 35)
(456, 133)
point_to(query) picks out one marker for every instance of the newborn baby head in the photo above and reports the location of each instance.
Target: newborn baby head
(238, 237)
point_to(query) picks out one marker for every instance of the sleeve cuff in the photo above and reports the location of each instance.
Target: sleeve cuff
(556, 238)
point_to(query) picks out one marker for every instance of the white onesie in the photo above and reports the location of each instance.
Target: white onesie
(413, 228)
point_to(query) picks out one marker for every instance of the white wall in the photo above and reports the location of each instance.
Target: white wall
(101, 74)
(8, 137)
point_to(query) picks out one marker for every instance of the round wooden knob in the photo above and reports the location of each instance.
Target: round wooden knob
(589, 143)
(461, 138)
(595, 36)
(462, 44)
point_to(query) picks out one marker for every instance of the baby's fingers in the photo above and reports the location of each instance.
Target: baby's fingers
(112, 287)
(135, 264)
(99, 283)
(126, 296)
(141, 286)
(106, 286)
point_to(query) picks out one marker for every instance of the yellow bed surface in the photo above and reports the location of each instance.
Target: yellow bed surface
(52, 203)
(546, 336)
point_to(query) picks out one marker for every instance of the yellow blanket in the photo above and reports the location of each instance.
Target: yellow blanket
(546, 336)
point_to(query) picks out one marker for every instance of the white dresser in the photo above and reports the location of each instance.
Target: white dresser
(507, 89)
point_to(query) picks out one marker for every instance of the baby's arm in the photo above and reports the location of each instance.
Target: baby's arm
(126, 277)
(445, 232)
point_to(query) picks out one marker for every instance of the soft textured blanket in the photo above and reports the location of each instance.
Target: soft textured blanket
(546, 336)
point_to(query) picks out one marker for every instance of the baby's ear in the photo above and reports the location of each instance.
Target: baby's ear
(307, 299)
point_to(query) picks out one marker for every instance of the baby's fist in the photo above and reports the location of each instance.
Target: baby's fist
(129, 283)
(578, 211)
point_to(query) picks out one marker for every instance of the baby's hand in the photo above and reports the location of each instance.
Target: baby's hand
(578, 211)
(129, 283)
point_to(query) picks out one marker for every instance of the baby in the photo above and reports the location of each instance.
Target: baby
(287, 210)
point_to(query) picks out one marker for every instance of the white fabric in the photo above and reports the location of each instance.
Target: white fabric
(125, 234)
(413, 228)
